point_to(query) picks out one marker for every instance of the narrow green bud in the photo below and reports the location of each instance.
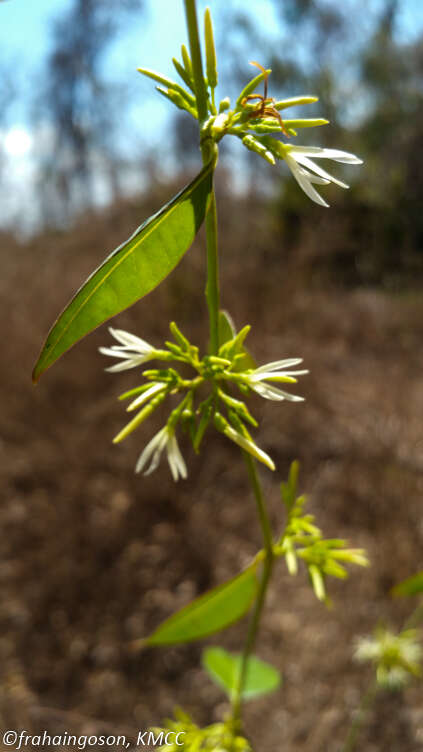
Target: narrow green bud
(178, 100)
(172, 86)
(249, 88)
(252, 144)
(183, 74)
(305, 123)
(294, 102)
(245, 443)
(238, 406)
(186, 60)
(211, 66)
(179, 337)
(142, 415)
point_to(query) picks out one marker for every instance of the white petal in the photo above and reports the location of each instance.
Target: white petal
(156, 445)
(311, 166)
(268, 391)
(276, 376)
(313, 178)
(340, 156)
(130, 340)
(304, 182)
(113, 352)
(175, 459)
(157, 387)
(277, 364)
(132, 362)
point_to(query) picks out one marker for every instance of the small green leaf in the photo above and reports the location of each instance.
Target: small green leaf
(224, 669)
(411, 586)
(211, 612)
(133, 269)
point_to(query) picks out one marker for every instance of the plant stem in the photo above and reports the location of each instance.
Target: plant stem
(208, 151)
(261, 595)
(355, 728)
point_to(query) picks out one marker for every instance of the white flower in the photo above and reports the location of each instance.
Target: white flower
(133, 350)
(306, 172)
(275, 371)
(165, 438)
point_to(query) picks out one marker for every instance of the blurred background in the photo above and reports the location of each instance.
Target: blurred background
(93, 556)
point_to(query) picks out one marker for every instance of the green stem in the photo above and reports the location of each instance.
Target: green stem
(261, 595)
(208, 151)
(212, 285)
(365, 704)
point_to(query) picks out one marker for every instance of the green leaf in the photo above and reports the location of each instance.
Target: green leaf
(412, 586)
(133, 269)
(211, 612)
(224, 668)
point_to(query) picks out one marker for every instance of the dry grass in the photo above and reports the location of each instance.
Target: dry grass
(92, 556)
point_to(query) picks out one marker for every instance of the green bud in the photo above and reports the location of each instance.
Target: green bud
(224, 105)
(211, 66)
(179, 337)
(142, 415)
(250, 87)
(254, 145)
(305, 123)
(294, 102)
(183, 74)
(178, 100)
(238, 406)
(186, 60)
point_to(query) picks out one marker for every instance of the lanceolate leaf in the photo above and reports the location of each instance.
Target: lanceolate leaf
(132, 270)
(209, 613)
(224, 668)
(412, 586)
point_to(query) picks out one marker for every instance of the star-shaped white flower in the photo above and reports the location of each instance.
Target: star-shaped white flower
(164, 439)
(306, 172)
(276, 371)
(133, 350)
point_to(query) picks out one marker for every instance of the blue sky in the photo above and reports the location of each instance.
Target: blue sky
(150, 39)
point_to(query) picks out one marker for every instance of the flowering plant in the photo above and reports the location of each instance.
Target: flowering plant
(219, 382)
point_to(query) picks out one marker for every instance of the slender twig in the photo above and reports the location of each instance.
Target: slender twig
(262, 590)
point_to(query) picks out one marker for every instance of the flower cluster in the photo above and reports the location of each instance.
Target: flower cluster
(232, 368)
(396, 657)
(219, 737)
(257, 122)
(302, 539)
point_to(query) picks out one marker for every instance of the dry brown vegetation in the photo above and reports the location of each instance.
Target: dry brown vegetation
(93, 556)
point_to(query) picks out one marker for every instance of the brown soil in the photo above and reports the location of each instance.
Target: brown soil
(93, 556)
